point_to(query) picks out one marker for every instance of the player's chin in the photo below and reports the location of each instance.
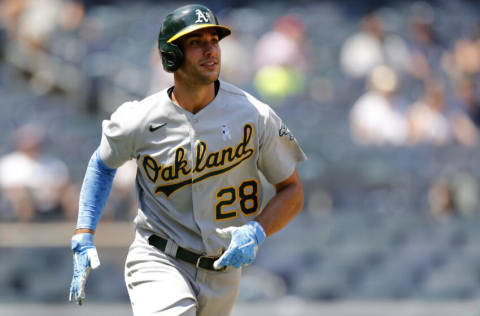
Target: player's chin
(210, 76)
(213, 70)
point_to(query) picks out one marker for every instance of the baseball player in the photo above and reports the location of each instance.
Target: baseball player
(200, 148)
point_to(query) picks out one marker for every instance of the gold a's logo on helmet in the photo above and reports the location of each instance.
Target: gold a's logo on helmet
(202, 17)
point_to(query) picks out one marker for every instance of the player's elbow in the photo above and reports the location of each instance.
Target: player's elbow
(299, 197)
(296, 196)
(294, 190)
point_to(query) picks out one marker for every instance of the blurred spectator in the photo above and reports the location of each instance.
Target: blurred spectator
(373, 46)
(35, 21)
(466, 191)
(440, 198)
(37, 51)
(237, 65)
(464, 59)
(431, 121)
(426, 49)
(10, 12)
(467, 97)
(72, 15)
(283, 45)
(280, 59)
(374, 119)
(33, 181)
(453, 195)
(467, 119)
(428, 118)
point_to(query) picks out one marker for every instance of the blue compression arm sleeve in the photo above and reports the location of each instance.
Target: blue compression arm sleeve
(94, 193)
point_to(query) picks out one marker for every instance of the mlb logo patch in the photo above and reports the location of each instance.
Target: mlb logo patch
(226, 133)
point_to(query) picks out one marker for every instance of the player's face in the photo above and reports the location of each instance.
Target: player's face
(202, 56)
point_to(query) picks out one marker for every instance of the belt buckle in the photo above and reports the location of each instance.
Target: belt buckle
(197, 265)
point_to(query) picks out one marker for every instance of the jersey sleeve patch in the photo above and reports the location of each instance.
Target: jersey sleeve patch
(279, 150)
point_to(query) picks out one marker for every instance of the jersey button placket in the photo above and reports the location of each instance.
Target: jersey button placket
(195, 194)
(193, 140)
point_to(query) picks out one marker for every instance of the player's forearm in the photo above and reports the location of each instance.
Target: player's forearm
(283, 207)
(94, 194)
(84, 230)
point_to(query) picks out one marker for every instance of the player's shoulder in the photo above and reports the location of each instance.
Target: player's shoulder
(140, 108)
(231, 89)
(155, 99)
(243, 97)
(146, 103)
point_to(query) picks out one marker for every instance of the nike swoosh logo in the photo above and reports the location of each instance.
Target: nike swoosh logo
(154, 127)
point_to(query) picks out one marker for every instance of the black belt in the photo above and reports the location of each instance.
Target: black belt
(200, 261)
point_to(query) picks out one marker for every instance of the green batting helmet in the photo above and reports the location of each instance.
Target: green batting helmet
(180, 22)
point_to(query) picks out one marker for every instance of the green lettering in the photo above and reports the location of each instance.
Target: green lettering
(151, 168)
(241, 149)
(181, 164)
(167, 173)
(201, 149)
(227, 153)
(212, 160)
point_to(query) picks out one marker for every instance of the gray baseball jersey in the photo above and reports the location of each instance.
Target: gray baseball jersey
(197, 172)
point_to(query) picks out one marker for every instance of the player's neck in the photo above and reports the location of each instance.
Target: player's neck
(193, 98)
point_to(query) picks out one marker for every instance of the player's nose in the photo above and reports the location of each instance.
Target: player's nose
(209, 49)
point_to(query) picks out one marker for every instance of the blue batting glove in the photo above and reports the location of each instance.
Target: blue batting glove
(243, 245)
(85, 258)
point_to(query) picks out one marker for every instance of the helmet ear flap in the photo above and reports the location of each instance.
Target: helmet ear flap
(172, 56)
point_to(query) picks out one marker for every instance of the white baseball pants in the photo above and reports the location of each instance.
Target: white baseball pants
(159, 284)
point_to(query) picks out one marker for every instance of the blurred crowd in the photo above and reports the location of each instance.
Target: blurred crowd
(419, 89)
(400, 74)
(36, 185)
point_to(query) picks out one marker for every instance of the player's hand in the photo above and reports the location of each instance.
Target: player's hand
(85, 258)
(243, 245)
